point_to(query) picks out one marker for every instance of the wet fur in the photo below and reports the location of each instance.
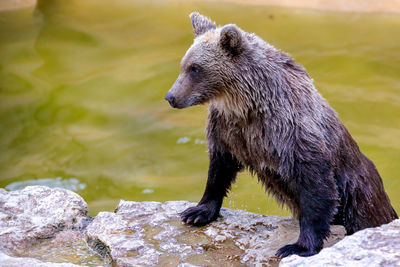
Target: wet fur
(265, 115)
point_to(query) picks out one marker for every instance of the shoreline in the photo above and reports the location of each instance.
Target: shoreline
(359, 6)
(6, 5)
(37, 220)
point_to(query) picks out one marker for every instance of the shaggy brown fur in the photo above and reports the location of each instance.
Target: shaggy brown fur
(266, 115)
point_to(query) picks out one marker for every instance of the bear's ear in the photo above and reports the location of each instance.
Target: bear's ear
(232, 40)
(201, 24)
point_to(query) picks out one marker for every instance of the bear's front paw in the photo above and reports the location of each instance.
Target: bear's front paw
(294, 249)
(199, 215)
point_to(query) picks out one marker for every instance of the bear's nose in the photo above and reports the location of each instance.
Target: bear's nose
(171, 99)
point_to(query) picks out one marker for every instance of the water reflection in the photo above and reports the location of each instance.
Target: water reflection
(70, 184)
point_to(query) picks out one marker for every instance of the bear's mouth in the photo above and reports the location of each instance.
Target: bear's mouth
(196, 100)
(181, 103)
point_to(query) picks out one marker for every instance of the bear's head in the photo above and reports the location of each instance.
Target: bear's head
(208, 67)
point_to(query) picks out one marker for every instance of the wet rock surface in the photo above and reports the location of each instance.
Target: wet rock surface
(68, 246)
(41, 226)
(371, 247)
(9, 261)
(150, 233)
(38, 212)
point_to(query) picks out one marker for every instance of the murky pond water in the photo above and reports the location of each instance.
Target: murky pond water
(82, 87)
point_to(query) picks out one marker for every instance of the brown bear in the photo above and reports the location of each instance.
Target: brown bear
(265, 115)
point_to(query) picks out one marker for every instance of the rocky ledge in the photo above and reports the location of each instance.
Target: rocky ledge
(41, 226)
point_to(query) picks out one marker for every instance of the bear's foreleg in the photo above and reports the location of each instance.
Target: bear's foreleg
(318, 204)
(221, 173)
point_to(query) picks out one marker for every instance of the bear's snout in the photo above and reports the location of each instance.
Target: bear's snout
(171, 99)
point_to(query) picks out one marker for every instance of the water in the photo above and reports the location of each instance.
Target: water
(66, 247)
(82, 87)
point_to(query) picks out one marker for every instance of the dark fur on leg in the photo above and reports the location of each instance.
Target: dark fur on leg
(222, 172)
(317, 209)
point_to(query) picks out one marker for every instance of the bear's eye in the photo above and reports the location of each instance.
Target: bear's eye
(194, 69)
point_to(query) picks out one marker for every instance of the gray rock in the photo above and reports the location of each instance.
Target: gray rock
(38, 212)
(68, 246)
(149, 233)
(9, 261)
(370, 247)
(41, 226)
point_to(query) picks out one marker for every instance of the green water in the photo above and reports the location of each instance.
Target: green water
(82, 87)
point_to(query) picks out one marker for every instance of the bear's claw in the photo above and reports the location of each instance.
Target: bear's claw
(199, 215)
(294, 249)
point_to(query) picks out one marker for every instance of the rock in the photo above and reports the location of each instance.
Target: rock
(149, 233)
(6, 260)
(68, 246)
(38, 212)
(371, 247)
(42, 226)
